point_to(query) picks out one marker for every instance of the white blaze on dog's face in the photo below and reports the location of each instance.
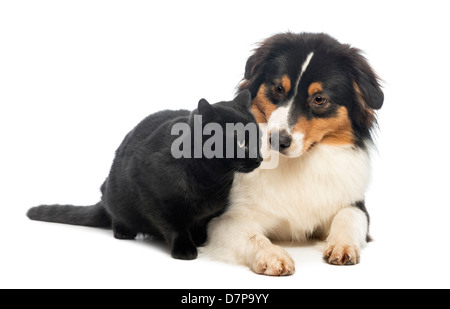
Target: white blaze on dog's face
(287, 142)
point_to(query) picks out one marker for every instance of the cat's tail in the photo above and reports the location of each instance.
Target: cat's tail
(94, 216)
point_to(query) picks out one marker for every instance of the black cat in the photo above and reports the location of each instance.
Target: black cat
(157, 187)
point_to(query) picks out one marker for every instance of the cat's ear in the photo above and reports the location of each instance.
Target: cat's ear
(205, 109)
(244, 99)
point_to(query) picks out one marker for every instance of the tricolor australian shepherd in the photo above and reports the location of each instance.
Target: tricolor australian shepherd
(319, 96)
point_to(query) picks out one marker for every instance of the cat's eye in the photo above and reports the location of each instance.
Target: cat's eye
(241, 144)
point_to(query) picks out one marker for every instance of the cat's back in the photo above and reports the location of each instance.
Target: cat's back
(148, 126)
(153, 121)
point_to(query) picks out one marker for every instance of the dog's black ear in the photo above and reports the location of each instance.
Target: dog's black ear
(255, 64)
(244, 99)
(252, 72)
(267, 49)
(205, 109)
(366, 81)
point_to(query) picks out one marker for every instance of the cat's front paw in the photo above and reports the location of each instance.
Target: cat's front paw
(199, 236)
(184, 251)
(273, 261)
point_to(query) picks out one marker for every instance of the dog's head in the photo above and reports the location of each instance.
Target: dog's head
(311, 89)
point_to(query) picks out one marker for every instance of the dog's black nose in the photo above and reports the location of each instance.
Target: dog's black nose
(280, 140)
(285, 140)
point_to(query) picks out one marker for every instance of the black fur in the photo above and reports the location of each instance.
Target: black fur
(149, 191)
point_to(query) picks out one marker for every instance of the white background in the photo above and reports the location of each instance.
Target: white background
(76, 76)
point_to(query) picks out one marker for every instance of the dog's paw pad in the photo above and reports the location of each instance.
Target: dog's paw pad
(341, 255)
(274, 262)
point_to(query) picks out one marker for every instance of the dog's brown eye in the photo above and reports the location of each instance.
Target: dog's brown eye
(279, 89)
(319, 100)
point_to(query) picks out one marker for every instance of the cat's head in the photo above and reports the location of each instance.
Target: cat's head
(230, 133)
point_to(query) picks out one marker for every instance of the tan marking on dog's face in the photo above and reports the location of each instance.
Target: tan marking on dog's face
(262, 107)
(286, 83)
(315, 87)
(334, 130)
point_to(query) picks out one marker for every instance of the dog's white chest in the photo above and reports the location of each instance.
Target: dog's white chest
(302, 194)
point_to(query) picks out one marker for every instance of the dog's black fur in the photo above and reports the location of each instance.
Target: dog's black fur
(149, 191)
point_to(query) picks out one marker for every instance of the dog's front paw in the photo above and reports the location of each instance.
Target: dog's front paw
(273, 261)
(341, 254)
